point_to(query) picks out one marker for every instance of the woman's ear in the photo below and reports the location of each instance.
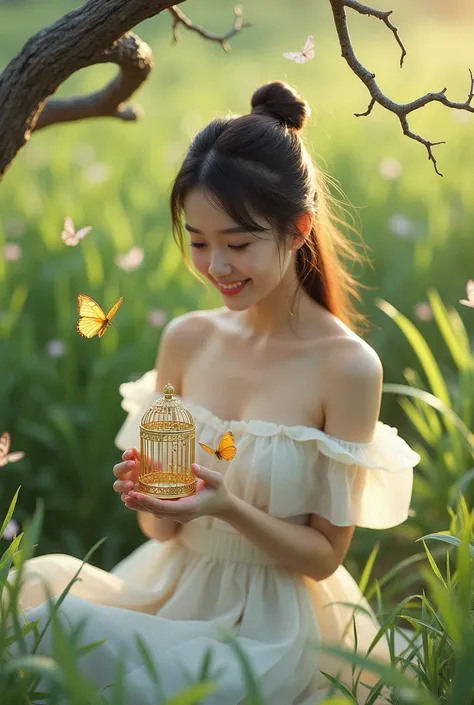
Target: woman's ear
(303, 224)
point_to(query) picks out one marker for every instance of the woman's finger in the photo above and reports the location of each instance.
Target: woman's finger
(127, 467)
(130, 504)
(131, 454)
(123, 485)
(133, 504)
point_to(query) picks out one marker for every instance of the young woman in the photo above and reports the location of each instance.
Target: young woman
(259, 548)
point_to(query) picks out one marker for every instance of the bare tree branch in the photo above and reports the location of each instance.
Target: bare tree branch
(381, 15)
(135, 60)
(180, 18)
(368, 78)
(78, 39)
(98, 32)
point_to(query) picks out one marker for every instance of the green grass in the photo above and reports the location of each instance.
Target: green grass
(65, 412)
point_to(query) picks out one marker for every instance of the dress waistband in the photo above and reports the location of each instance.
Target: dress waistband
(222, 545)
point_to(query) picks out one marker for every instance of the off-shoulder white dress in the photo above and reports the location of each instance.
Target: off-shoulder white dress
(176, 595)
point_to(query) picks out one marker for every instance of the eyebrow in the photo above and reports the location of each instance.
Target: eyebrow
(225, 231)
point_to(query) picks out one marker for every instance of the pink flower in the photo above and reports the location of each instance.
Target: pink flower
(12, 252)
(157, 317)
(423, 311)
(12, 529)
(390, 168)
(130, 260)
(97, 173)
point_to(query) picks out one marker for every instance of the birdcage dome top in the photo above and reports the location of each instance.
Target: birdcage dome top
(167, 412)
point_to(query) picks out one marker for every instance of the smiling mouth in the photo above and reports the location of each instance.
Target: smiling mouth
(234, 287)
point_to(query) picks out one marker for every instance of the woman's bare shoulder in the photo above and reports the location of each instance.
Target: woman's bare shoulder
(342, 345)
(181, 338)
(192, 328)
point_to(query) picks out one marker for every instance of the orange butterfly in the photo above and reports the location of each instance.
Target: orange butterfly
(92, 320)
(226, 450)
(5, 456)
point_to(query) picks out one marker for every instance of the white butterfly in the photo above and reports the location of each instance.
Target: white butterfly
(69, 235)
(5, 455)
(470, 294)
(305, 55)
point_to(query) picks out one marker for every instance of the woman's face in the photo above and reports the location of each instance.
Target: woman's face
(245, 268)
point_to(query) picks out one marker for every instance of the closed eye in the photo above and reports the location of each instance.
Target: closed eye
(200, 245)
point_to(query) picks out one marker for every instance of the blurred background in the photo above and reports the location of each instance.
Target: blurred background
(59, 393)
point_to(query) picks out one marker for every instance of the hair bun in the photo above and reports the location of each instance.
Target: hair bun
(281, 102)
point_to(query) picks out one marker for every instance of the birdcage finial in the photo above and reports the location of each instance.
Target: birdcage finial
(169, 391)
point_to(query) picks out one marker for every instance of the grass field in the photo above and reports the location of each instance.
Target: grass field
(59, 393)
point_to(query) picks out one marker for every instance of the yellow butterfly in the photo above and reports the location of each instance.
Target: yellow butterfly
(226, 450)
(5, 456)
(92, 320)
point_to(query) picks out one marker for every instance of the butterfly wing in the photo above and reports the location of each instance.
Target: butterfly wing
(92, 320)
(80, 235)
(5, 456)
(4, 448)
(109, 317)
(88, 308)
(470, 291)
(68, 234)
(114, 309)
(15, 457)
(470, 294)
(208, 449)
(5, 441)
(227, 449)
(308, 49)
(88, 327)
(293, 55)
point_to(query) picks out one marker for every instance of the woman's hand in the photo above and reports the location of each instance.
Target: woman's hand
(127, 472)
(212, 498)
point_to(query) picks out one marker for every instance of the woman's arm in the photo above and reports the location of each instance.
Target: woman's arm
(176, 345)
(300, 549)
(158, 529)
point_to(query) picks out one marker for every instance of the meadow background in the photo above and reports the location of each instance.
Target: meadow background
(59, 395)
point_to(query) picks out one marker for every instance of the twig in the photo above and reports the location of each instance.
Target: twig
(180, 18)
(381, 15)
(368, 78)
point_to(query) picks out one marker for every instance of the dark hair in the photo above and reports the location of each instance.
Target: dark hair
(257, 165)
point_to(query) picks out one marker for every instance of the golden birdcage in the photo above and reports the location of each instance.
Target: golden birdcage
(167, 447)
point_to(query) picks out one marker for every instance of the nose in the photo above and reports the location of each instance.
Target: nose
(218, 265)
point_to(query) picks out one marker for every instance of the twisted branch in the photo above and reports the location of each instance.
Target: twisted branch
(135, 60)
(368, 78)
(96, 33)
